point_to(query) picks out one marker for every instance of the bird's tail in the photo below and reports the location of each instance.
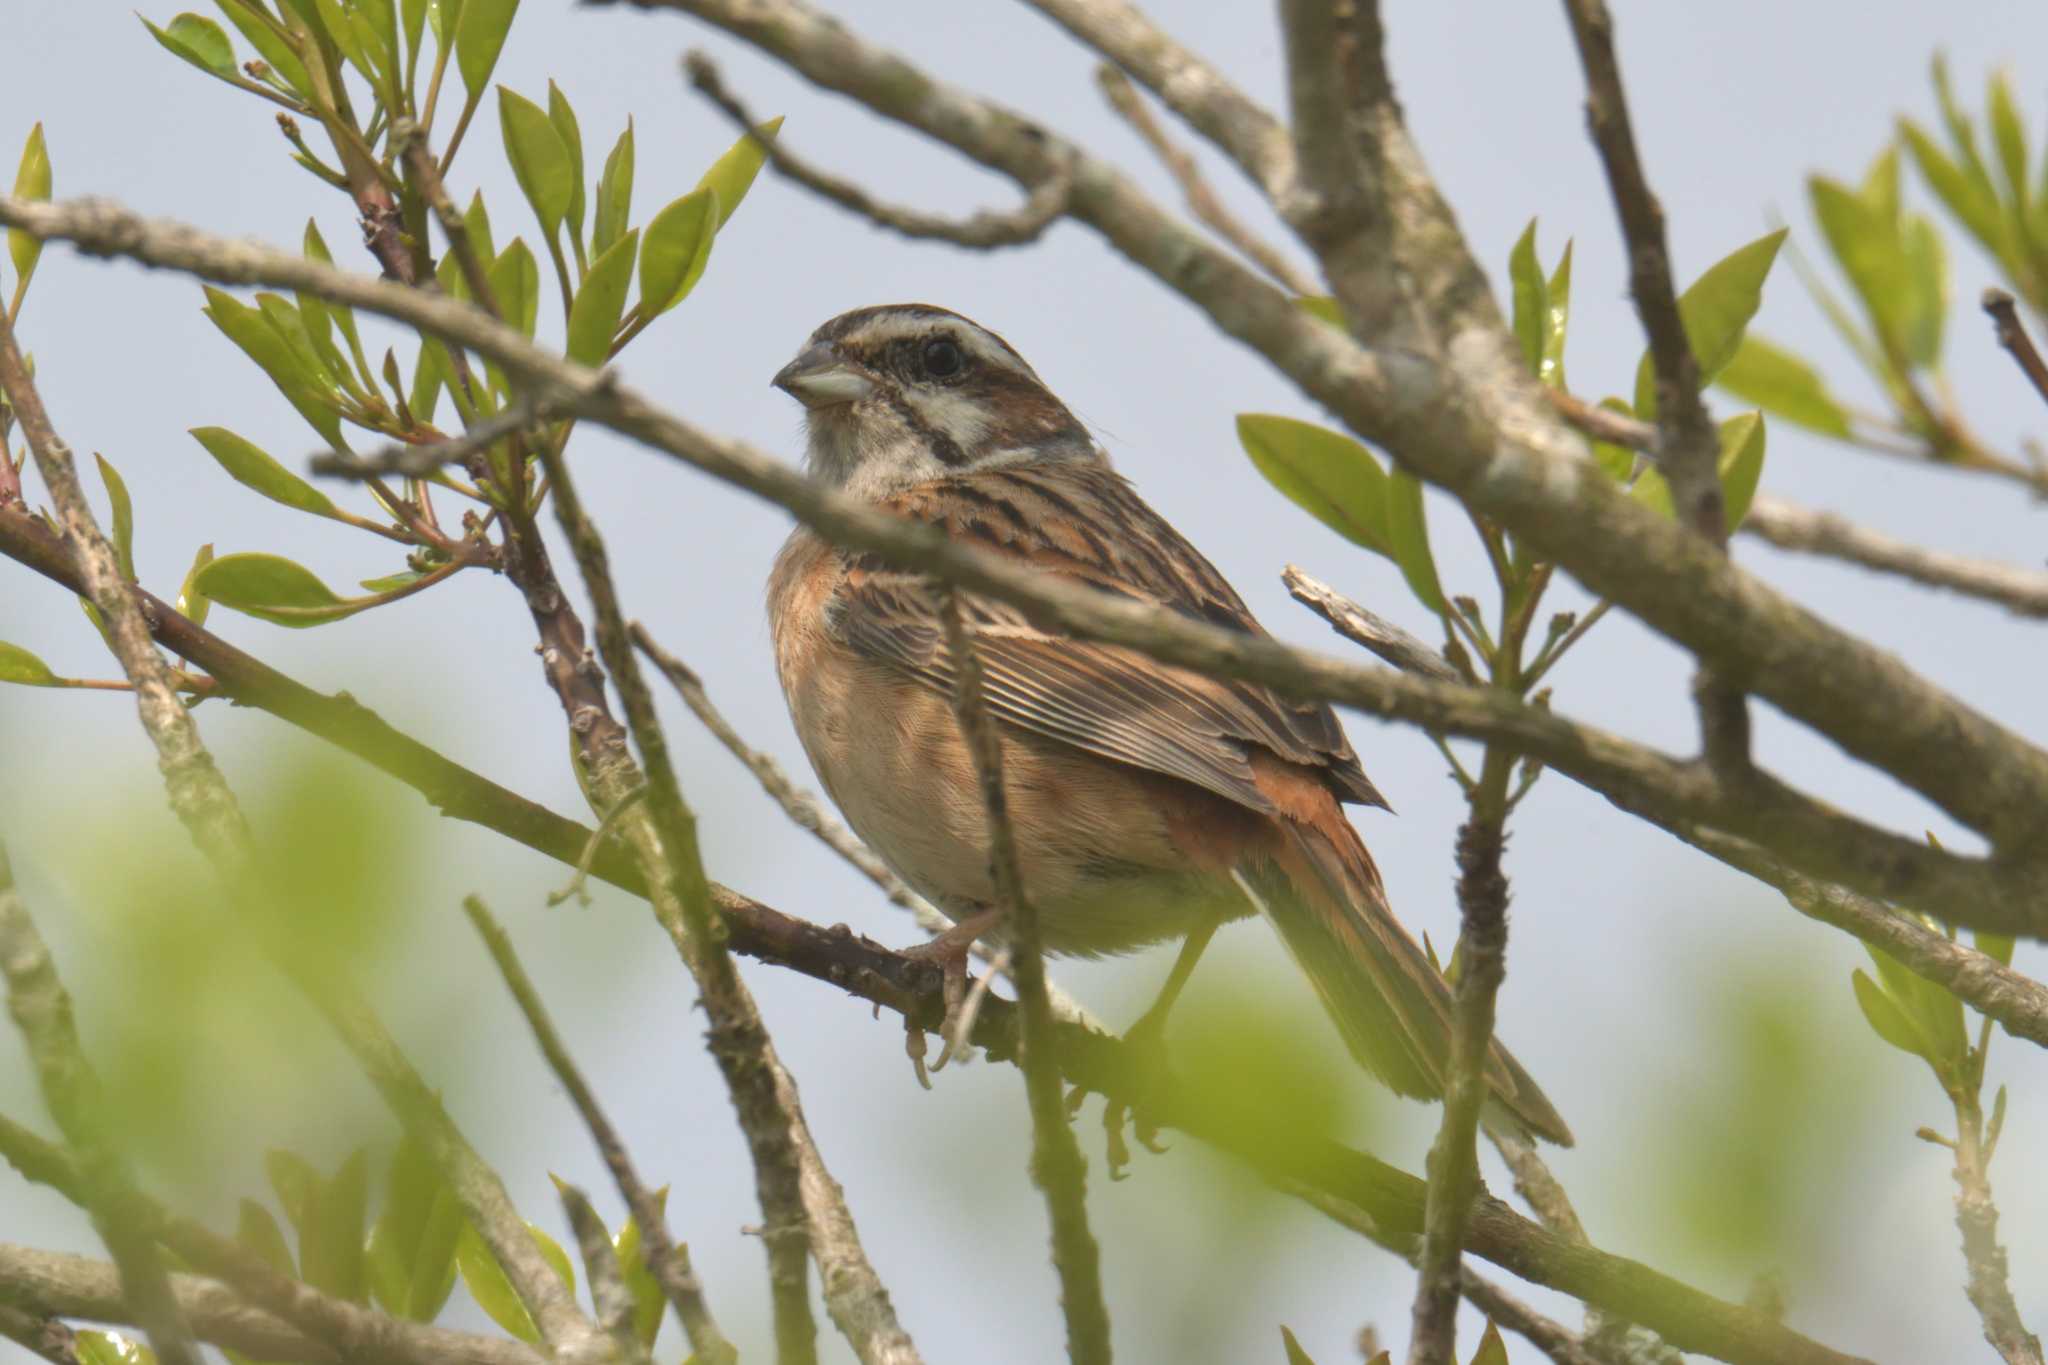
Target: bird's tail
(1394, 1008)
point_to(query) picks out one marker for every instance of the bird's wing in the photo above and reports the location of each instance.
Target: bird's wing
(1084, 523)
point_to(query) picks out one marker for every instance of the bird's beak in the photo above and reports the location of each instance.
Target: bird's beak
(821, 378)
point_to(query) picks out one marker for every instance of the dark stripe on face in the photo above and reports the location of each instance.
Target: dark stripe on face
(944, 448)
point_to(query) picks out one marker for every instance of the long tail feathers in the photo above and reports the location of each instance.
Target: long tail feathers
(1392, 1006)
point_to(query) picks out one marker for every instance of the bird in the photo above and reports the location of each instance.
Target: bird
(1149, 803)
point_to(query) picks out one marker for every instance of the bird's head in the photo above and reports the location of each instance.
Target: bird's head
(905, 393)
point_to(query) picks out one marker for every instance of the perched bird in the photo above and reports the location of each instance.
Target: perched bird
(1150, 803)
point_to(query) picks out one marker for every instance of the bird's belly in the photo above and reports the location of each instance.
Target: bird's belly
(1098, 861)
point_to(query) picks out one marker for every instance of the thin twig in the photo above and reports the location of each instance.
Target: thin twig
(416, 460)
(608, 1292)
(669, 1263)
(1688, 445)
(1057, 1165)
(983, 231)
(1377, 634)
(1201, 199)
(2012, 334)
(1989, 1285)
(1792, 527)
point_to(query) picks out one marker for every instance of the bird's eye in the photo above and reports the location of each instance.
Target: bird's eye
(943, 358)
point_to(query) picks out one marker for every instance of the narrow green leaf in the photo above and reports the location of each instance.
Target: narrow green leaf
(388, 1270)
(539, 159)
(253, 468)
(732, 174)
(1558, 292)
(515, 279)
(430, 374)
(1323, 308)
(18, 665)
(292, 1177)
(1327, 474)
(262, 343)
(413, 18)
(1926, 303)
(315, 249)
(338, 22)
(1870, 253)
(382, 17)
(287, 322)
(193, 604)
(392, 582)
(2009, 136)
(272, 588)
(600, 303)
(331, 1241)
(198, 40)
(1741, 464)
(1886, 1019)
(1783, 385)
(566, 127)
(486, 1280)
(648, 1299)
(258, 1232)
(676, 248)
(1408, 539)
(111, 1348)
(1972, 200)
(1716, 309)
(1295, 1355)
(614, 194)
(1617, 462)
(476, 221)
(1531, 301)
(479, 37)
(1880, 188)
(124, 516)
(443, 18)
(1492, 1350)
(433, 1267)
(276, 53)
(31, 181)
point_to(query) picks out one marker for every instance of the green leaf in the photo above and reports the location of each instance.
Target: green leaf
(1295, 1355)
(539, 159)
(1936, 1014)
(649, 1302)
(1969, 197)
(1996, 946)
(109, 1348)
(433, 1267)
(392, 582)
(2009, 136)
(1715, 310)
(487, 1282)
(515, 279)
(1492, 1350)
(413, 16)
(1783, 385)
(1617, 462)
(1408, 539)
(200, 41)
(31, 181)
(614, 194)
(193, 604)
(1926, 301)
(400, 1253)
(336, 21)
(1886, 1019)
(476, 221)
(287, 322)
(479, 38)
(124, 516)
(564, 119)
(1558, 292)
(1323, 308)
(292, 1179)
(1880, 187)
(732, 174)
(430, 374)
(276, 53)
(252, 468)
(272, 588)
(443, 18)
(17, 665)
(1531, 301)
(257, 1231)
(264, 344)
(1741, 465)
(344, 317)
(331, 1239)
(675, 250)
(1327, 474)
(1869, 250)
(599, 304)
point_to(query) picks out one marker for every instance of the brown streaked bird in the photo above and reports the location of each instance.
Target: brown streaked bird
(1150, 803)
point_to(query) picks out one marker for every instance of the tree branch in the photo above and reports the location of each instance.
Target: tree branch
(2012, 334)
(1057, 1166)
(1367, 629)
(668, 1262)
(1792, 527)
(984, 231)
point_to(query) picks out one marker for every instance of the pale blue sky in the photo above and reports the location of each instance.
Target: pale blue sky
(1626, 945)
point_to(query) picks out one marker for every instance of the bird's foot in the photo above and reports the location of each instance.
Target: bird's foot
(949, 951)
